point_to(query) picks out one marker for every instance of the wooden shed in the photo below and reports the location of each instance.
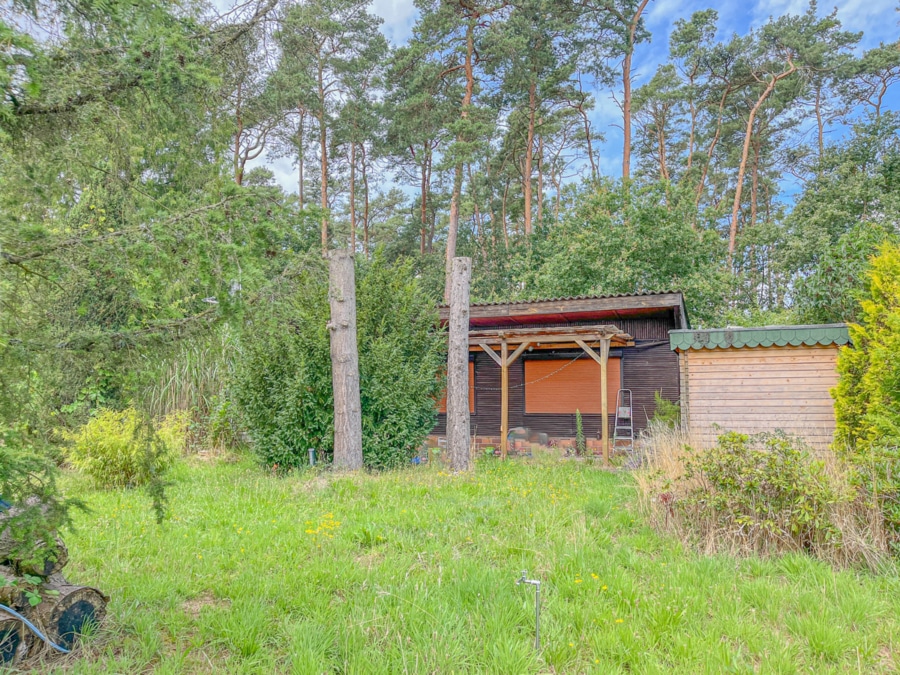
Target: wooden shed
(555, 353)
(752, 380)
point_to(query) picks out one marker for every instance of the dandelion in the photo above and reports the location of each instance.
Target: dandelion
(620, 620)
(578, 581)
(571, 644)
(603, 588)
(594, 576)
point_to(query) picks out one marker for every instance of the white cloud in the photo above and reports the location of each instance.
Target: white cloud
(398, 15)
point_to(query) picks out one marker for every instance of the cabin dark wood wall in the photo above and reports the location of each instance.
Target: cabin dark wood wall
(648, 367)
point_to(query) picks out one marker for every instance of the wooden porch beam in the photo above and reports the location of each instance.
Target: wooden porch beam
(490, 352)
(621, 340)
(604, 398)
(516, 354)
(590, 352)
(504, 399)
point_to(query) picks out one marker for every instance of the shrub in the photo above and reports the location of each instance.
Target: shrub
(775, 492)
(119, 449)
(283, 381)
(666, 413)
(580, 443)
(763, 494)
(867, 398)
(28, 481)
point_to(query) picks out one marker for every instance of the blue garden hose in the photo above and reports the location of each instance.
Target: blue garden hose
(34, 629)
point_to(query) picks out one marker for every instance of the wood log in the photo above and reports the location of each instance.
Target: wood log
(66, 610)
(345, 363)
(43, 560)
(10, 588)
(16, 641)
(49, 559)
(458, 419)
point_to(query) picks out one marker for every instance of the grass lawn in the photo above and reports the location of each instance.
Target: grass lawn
(415, 571)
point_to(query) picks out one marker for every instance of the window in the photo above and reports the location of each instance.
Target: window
(563, 386)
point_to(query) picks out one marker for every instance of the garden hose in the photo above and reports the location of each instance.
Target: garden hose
(34, 629)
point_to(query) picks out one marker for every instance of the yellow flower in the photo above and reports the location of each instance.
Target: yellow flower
(594, 575)
(603, 588)
(578, 581)
(620, 620)
(571, 644)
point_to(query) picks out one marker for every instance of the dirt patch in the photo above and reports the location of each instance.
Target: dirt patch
(369, 559)
(194, 606)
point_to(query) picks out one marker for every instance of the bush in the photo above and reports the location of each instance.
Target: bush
(666, 413)
(763, 494)
(867, 398)
(120, 448)
(28, 481)
(771, 493)
(283, 382)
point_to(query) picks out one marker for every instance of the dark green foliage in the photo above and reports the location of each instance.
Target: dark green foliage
(619, 240)
(28, 482)
(766, 485)
(580, 443)
(284, 376)
(666, 413)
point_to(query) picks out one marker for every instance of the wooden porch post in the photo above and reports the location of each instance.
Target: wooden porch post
(604, 397)
(504, 398)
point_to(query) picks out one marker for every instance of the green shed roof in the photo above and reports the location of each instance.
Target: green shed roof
(765, 336)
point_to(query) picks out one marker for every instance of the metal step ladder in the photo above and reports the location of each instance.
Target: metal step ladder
(623, 431)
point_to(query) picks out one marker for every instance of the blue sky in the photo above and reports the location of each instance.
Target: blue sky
(878, 19)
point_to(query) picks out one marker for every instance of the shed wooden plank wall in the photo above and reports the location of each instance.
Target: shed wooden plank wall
(751, 390)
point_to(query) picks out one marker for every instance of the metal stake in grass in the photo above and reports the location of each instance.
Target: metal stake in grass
(537, 606)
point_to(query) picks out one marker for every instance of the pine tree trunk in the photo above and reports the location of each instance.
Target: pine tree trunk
(626, 116)
(345, 363)
(365, 179)
(323, 162)
(353, 198)
(453, 228)
(745, 153)
(300, 157)
(529, 157)
(458, 366)
(423, 208)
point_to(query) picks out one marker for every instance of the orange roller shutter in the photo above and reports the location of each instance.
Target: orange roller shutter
(575, 387)
(442, 404)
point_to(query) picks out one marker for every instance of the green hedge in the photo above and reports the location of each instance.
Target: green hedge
(284, 373)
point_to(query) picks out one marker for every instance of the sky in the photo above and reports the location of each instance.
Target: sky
(877, 19)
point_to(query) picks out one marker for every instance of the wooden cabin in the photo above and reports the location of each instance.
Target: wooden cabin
(557, 353)
(752, 380)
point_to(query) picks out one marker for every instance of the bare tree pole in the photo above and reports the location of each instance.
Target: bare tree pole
(344, 362)
(458, 366)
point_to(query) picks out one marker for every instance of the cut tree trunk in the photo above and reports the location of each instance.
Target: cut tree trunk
(15, 640)
(345, 363)
(458, 366)
(66, 610)
(42, 560)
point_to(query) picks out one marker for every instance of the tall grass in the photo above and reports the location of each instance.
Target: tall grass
(678, 500)
(196, 380)
(414, 571)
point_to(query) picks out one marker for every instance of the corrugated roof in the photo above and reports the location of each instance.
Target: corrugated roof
(570, 297)
(764, 336)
